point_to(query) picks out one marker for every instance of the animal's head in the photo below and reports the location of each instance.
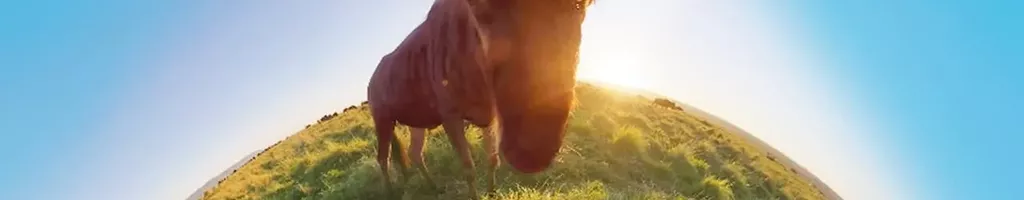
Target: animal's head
(534, 47)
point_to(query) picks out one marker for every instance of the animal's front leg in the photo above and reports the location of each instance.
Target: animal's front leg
(455, 128)
(491, 146)
(418, 138)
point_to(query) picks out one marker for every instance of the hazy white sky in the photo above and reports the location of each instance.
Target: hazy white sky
(236, 77)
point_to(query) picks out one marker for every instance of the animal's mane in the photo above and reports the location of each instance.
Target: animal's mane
(453, 43)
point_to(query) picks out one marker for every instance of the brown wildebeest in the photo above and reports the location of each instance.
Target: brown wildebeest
(531, 49)
(436, 76)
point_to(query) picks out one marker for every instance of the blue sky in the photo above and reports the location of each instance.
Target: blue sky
(143, 100)
(945, 77)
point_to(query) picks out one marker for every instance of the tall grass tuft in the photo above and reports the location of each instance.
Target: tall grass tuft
(717, 188)
(629, 139)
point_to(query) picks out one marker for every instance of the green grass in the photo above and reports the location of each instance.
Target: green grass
(618, 146)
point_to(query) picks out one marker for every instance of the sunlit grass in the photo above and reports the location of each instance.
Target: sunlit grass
(618, 147)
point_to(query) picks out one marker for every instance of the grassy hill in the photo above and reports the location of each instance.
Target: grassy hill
(729, 127)
(619, 146)
(216, 180)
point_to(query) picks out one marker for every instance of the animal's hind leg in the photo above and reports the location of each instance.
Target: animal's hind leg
(456, 133)
(399, 156)
(417, 138)
(385, 133)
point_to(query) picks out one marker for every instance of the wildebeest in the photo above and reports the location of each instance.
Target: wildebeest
(508, 61)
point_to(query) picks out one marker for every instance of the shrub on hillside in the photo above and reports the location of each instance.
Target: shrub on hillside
(629, 139)
(667, 104)
(327, 117)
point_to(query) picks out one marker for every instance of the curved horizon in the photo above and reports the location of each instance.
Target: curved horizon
(144, 100)
(713, 119)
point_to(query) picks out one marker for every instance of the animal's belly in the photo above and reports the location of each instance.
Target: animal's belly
(420, 116)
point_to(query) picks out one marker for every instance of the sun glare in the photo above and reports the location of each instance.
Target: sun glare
(620, 69)
(602, 59)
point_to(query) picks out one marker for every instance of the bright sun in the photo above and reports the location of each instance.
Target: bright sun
(619, 69)
(604, 58)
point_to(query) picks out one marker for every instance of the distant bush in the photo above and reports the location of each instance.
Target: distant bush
(349, 108)
(666, 103)
(327, 117)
